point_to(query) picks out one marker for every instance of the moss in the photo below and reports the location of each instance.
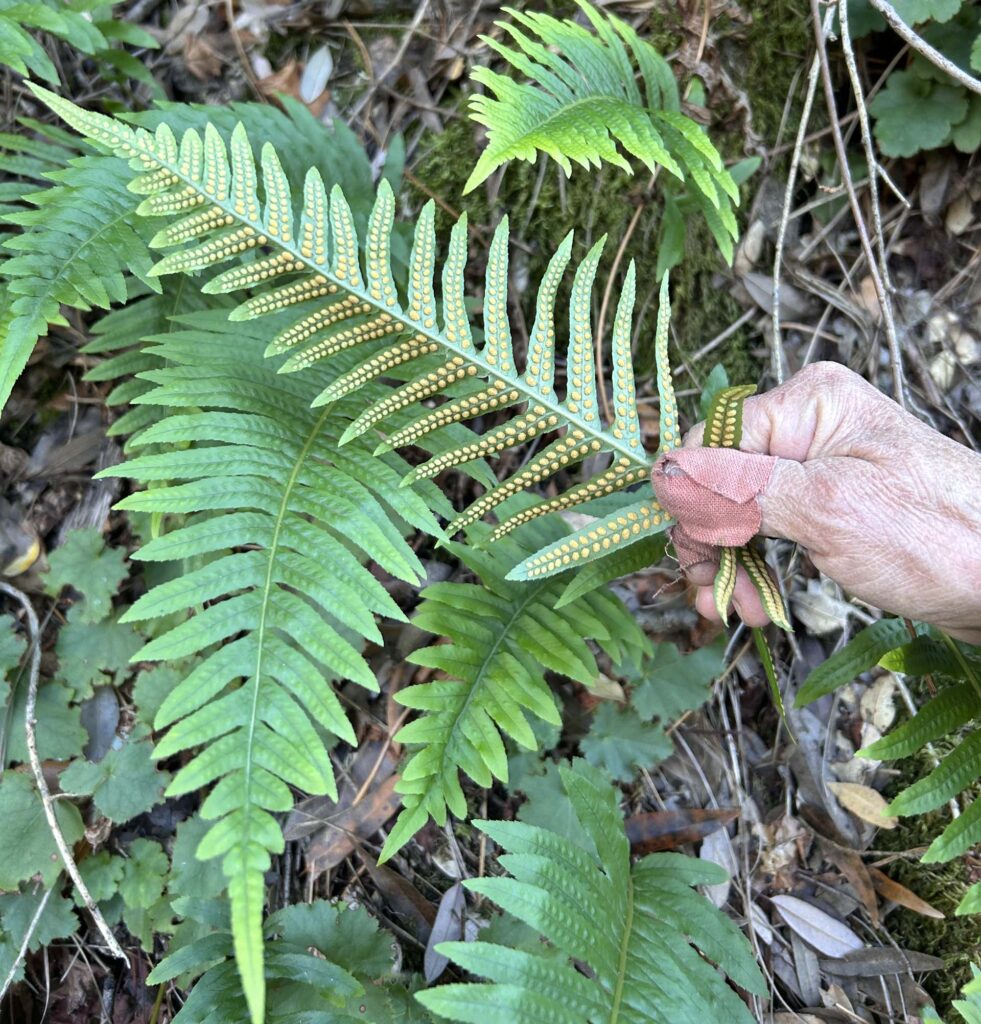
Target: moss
(955, 939)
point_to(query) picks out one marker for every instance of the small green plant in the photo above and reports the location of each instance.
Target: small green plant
(920, 107)
(583, 104)
(88, 25)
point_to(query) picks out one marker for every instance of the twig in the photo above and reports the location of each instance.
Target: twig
(885, 302)
(923, 48)
(776, 353)
(716, 341)
(47, 803)
(366, 96)
(28, 935)
(243, 57)
(866, 132)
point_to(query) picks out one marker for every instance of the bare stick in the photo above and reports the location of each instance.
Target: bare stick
(923, 48)
(866, 132)
(47, 803)
(895, 356)
(28, 935)
(776, 361)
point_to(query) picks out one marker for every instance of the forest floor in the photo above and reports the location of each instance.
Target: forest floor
(397, 73)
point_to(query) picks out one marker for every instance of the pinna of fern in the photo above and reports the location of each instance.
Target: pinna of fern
(583, 100)
(311, 266)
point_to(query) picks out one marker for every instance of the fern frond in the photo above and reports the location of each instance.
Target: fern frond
(583, 104)
(86, 24)
(342, 305)
(76, 249)
(268, 501)
(503, 638)
(647, 938)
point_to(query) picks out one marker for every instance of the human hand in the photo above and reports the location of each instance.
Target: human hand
(886, 506)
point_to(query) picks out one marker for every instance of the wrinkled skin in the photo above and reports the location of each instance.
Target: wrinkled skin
(885, 506)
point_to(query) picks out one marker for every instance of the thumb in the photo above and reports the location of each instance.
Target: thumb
(724, 497)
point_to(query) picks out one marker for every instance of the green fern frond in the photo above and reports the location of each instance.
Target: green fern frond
(503, 638)
(83, 222)
(647, 939)
(957, 706)
(302, 140)
(267, 500)
(314, 263)
(583, 101)
(86, 24)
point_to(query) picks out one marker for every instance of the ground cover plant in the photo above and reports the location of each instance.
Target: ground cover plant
(346, 671)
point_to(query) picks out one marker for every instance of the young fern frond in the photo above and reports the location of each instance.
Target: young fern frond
(312, 260)
(583, 100)
(646, 937)
(268, 500)
(503, 637)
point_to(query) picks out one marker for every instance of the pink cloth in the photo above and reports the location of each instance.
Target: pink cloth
(713, 493)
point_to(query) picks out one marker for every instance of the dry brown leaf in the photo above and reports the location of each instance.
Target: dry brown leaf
(341, 833)
(880, 960)
(201, 57)
(448, 927)
(817, 927)
(654, 831)
(286, 81)
(889, 889)
(864, 802)
(402, 897)
(851, 865)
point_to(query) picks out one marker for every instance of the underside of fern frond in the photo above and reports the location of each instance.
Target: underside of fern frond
(583, 101)
(311, 259)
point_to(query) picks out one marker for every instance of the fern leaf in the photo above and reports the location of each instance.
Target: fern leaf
(961, 835)
(341, 305)
(88, 222)
(625, 526)
(637, 928)
(621, 562)
(87, 26)
(951, 709)
(503, 638)
(582, 102)
(858, 655)
(254, 468)
(952, 776)
(725, 582)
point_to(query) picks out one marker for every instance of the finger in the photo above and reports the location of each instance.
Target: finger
(745, 601)
(824, 410)
(701, 574)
